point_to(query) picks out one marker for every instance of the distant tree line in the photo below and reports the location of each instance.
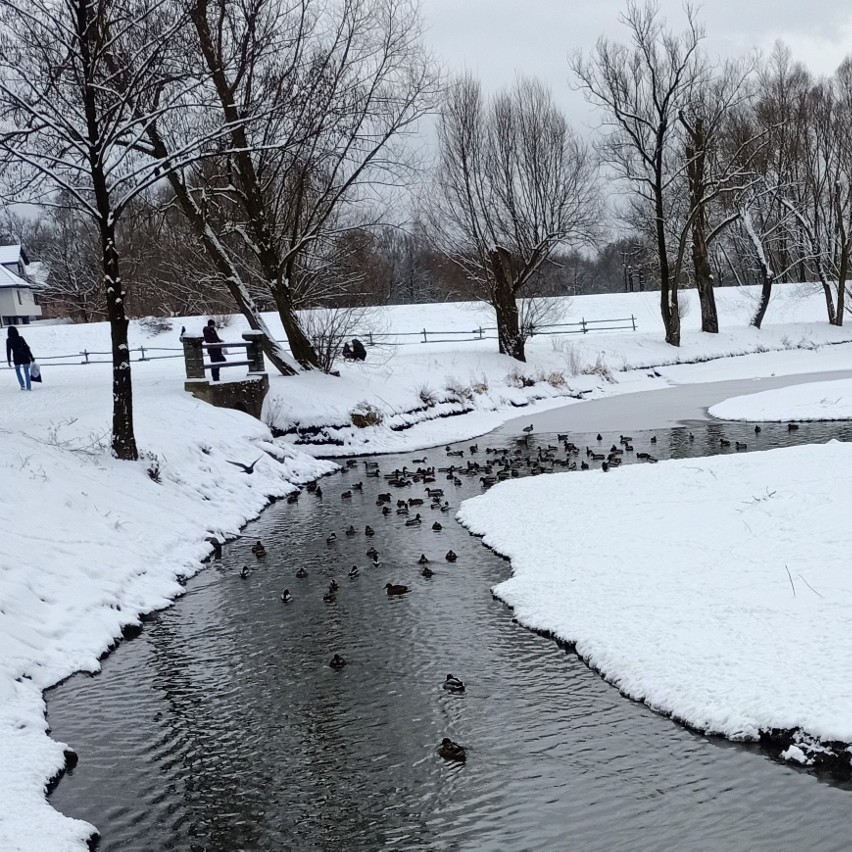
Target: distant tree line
(212, 156)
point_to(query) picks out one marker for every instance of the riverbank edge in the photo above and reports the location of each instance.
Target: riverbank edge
(790, 746)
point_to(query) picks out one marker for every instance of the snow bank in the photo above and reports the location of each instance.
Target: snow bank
(716, 590)
(88, 543)
(815, 401)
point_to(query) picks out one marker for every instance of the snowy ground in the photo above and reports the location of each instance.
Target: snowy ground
(716, 590)
(830, 400)
(88, 543)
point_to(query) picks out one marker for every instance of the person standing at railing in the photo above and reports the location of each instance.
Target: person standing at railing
(216, 353)
(18, 351)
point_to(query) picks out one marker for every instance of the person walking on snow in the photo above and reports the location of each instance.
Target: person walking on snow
(18, 351)
(216, 352)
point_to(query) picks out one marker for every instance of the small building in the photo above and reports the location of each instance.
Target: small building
(18, 300)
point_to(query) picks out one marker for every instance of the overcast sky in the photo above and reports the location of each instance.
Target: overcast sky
(496, 39)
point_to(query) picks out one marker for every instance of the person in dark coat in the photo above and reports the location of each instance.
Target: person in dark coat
(18, 351)
(216, 352)
(359, 353)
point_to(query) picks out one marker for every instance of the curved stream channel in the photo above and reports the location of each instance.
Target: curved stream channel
(222, 727)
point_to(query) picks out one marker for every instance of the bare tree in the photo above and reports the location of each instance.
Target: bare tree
(513, 184)
(79, 81)
(642, 87)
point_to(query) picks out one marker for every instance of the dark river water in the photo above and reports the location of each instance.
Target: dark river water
(222, 726)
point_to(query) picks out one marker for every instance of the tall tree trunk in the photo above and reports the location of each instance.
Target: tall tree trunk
(668, 289)
(765, 294)
(123, 436)
(841, 284)
(696, 155)
(505, 305)
(252, 193)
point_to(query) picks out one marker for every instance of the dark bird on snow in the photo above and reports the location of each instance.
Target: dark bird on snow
(453, 684)
(395, 589)
(437, 527)
(286, 597)
(452, 751)
(451, 556)
(301, 573)
(337, 662)
(246, 468)
(427, 572)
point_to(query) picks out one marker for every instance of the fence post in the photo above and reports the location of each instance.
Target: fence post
(193, 356)
(480, 333)
(424, 336)
(85, 354)
(583, 321)
(254, 352)
(142, 350)
(633, 320)
(370, 336)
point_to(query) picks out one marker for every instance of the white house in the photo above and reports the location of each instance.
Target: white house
(17, 299)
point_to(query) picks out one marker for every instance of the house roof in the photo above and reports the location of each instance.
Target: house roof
(9, 279)
(12, 254)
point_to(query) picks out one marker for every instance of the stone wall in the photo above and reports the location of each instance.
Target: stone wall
(246, 395)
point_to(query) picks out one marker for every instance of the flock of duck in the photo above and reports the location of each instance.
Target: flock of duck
(421, 484)
(409, 481)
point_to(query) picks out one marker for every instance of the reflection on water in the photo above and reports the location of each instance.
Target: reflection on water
(223, 728)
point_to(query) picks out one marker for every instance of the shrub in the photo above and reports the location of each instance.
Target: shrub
(518, 379)
(156, 325)
(427, 396)
(457, 390)
(600, 368)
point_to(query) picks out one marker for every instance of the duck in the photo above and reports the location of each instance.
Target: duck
(358, 486)
(394, 589)
(244, 571)
(724, 442)
(331, 538)
(386, 510)
(600, 437)
(423, 560)
(353, 572)
(444, 507)
(372, 553)
(452, 751)
(528, 429)
(625, 439)
(741, 446)
(451, 556)
(258, 550)
(301, 573)
(318, 493)
(691, 436)
(332, 586)
(584, 465)
(346, 495)
(337, 662)
(413, 522)
(293, 498)
(653, 439)
(368, 530)
(375, 562)
(757, 430)
(792, 427)
(329, 597)
(427, 572)
(605, 466)
(453, 684)
(415, 501)
(350, 530)
(435, 492)
(286, 597)
(436, 527)
(311, 486)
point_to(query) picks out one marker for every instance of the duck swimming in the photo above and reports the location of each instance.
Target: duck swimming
(301, 573)
(331, 538)
(337, 662)
(286, 597)
(372, 553)
(453, 684)
(394, 589)
(451, 556)
(427, 572)
(452, 751)
(353, 572)
(258, 550)
(350, 530)
(244, 571)
(437, 527)
(413, 522)
(368, 530)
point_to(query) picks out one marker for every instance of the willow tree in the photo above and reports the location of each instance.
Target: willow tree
(513, 184)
